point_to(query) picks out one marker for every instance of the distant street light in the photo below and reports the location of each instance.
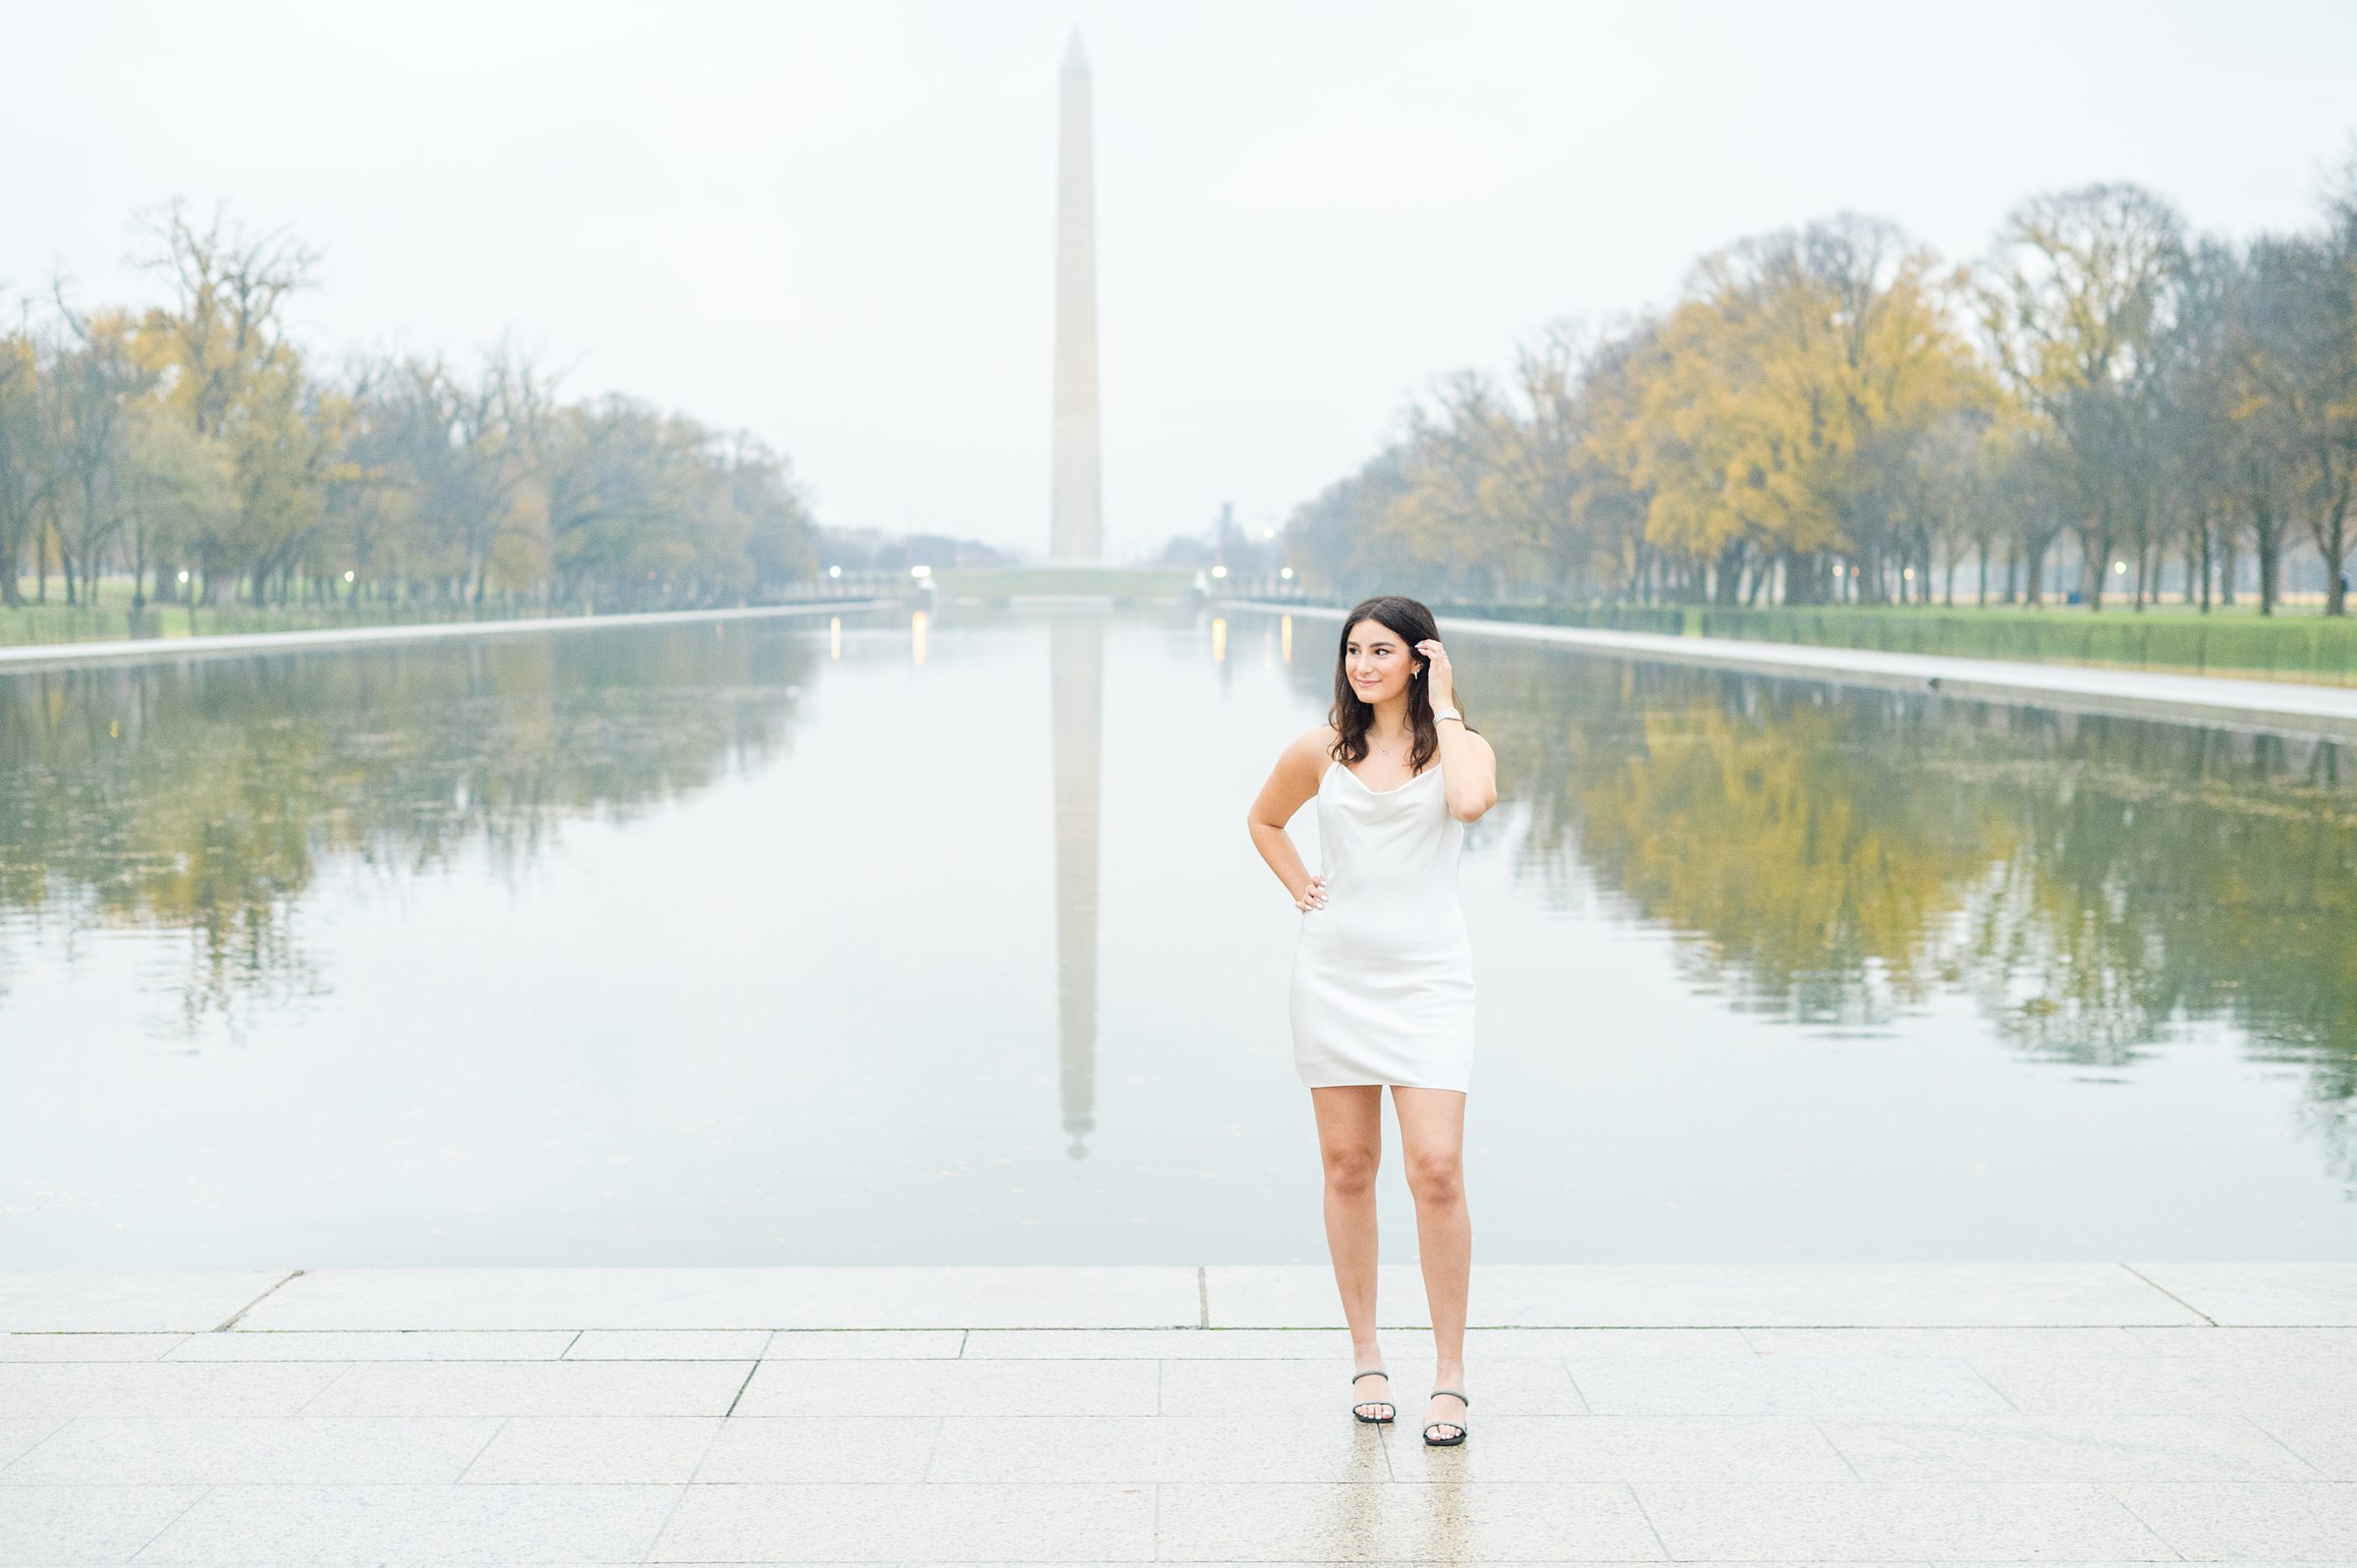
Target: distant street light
(833, 572)
(920, 572)
(347, 577)
(183, 577)
(1219, 571)
(2119, 568)
(1287, 573)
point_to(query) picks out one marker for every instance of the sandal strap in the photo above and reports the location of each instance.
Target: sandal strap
(1460, 1394)
(1377, 1373)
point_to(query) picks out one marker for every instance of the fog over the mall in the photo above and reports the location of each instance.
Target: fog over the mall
(833, 225)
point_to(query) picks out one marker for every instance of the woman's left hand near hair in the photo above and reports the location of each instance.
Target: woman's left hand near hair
(1440, 681)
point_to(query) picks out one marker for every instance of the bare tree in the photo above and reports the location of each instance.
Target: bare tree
(229, 288)
(2073, 301)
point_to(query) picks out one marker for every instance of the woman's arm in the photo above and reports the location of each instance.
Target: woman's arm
(1468, 767)
(1291, 784)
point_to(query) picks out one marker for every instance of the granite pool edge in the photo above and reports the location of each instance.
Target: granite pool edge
(128, 650)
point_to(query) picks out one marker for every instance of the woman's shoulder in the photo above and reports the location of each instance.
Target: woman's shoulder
(1307, 756)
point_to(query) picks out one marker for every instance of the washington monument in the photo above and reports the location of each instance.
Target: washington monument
(1075, 518)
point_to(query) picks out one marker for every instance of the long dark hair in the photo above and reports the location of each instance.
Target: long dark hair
(1413, 624)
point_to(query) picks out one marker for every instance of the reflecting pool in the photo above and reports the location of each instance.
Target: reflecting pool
(939, 938)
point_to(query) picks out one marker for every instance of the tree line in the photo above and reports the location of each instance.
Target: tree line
(1832, 414)
(194, 449)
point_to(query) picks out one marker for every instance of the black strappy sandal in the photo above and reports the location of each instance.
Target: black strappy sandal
(1391, 1411)
(1430, 1441)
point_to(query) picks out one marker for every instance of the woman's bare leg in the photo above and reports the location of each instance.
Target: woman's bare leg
(1432, 1140)
(1349, 1146)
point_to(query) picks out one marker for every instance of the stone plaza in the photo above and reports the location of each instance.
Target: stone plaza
(2071, 1413)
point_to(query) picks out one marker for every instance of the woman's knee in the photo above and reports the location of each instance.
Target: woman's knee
(1436, 1178)
(1350, 1170)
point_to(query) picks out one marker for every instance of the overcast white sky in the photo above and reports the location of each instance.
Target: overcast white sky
(833, 224)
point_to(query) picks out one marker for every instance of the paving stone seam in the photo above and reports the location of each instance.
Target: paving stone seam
(1734, 1325)
(2171, 1294)
(342, 1371)
(1843, 1488)
(2166, 1545)
(1578, 1393)
(1988, 1383)
(655, 1542)
(63, 1422)
(1817, 1425)
(478, 1457)
(202, 1493)
(2257, 1426)
(740, 1388)
(1647, 1515)
(232, 1321)
(2222, 1332)
(487, 1488)
(941, 1426)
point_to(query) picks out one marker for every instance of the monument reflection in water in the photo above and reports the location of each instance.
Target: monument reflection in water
(1076, 667)
(751, 945)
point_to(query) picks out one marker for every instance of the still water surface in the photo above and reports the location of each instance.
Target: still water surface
(898, 941)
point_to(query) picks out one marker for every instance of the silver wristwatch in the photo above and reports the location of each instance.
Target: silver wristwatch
(1449, 712)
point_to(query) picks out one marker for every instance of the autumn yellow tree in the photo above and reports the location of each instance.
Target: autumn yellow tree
(1778, 410)
(224, 364)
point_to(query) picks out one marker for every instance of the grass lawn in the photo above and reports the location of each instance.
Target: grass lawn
(57, 623)
(2231, 642)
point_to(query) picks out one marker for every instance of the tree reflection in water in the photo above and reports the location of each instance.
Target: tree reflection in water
(2092, 887)
(205, 796)
(1837, 859)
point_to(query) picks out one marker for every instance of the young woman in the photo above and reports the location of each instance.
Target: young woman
(1383, 975)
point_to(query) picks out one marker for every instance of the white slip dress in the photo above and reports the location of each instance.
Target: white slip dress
(1383, 974)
